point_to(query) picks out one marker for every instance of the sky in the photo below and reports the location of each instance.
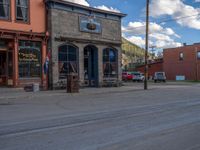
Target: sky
(172, 22)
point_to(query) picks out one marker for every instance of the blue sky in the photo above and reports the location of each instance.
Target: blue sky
(172, 22)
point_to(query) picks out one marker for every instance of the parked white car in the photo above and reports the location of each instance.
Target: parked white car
(137, 76)
(159, 76)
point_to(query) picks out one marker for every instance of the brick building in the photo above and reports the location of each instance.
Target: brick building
(153, 66)
(22, 42)
(182, 61)
(84, 40)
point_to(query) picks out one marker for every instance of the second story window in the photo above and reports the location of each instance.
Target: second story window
(198, 55)
(181, 56)
(5, 9)
(22, 10)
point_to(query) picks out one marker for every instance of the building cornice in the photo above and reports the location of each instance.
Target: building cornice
(68, 39)
(91, 9)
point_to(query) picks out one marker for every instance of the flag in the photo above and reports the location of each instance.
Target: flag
(46, 63)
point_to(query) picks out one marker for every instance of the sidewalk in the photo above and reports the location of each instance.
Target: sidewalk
(16, 93)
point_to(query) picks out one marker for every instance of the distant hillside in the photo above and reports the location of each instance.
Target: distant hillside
(131, 49)
(131, 55)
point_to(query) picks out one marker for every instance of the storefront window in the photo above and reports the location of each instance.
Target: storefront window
(29, 59)
(4, 9)
(110, 62)
(22, 10)
(67, 57)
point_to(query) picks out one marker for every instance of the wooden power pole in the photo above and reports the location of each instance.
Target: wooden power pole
(147, 45)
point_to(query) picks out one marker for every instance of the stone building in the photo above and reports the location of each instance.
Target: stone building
(84, 40)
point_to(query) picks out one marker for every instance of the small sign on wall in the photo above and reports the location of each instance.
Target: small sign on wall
(180, 78)
(90, 24)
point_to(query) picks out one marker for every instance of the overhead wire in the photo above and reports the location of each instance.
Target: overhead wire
(169, 20)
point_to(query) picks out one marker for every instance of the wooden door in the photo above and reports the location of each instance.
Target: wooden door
(3, 68)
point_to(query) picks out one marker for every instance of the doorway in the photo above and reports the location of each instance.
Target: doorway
(3, 68)
(91, 66)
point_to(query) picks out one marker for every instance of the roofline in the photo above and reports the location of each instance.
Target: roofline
(195, 44)
(88, 8)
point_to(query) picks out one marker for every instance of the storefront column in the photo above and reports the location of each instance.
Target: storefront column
(15, 64)
(81, 63)
(119, 64)
(44, 76)
(100, 65)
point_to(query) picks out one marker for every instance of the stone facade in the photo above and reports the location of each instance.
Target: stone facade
(64, 28)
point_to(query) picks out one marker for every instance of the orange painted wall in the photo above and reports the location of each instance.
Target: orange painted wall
(37, 18)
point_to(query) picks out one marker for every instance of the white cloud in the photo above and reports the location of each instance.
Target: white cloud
(187, 15)
(138, 28)
(165, 44)
(169, 31)
(103, 7)
(85, 3)
(163, 41)
(159, 36)
(197, 1)
(136, 40)
(81, 2)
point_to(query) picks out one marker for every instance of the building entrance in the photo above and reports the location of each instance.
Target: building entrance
(6, 67)
(91, 66)
(3, 68)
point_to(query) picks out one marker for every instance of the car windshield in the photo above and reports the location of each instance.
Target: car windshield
(136, 74)
(160, 74)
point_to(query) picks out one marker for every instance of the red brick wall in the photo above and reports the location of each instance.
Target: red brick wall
(188, 67)
(153, 67)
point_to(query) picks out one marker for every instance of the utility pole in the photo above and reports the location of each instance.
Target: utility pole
(147, 45)
(152, 51)
(196, 63)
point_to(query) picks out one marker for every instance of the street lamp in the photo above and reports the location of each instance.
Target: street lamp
(146, 45)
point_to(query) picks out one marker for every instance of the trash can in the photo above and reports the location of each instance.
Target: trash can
(72, 83)
(36, 87)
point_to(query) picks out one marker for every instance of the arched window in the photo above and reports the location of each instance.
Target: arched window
(67, 60)
(110, 62)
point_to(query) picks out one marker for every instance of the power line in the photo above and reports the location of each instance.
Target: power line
(169, 20)
(178, 18)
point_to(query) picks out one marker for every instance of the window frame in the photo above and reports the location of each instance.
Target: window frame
(30, 49)
(111, 63)
(64, 75)
(9, 11)
(198, 55)
(28, 12)
(181, 58)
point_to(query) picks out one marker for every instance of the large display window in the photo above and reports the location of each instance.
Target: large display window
(110, 62)
(29, 59)
(67, 60)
